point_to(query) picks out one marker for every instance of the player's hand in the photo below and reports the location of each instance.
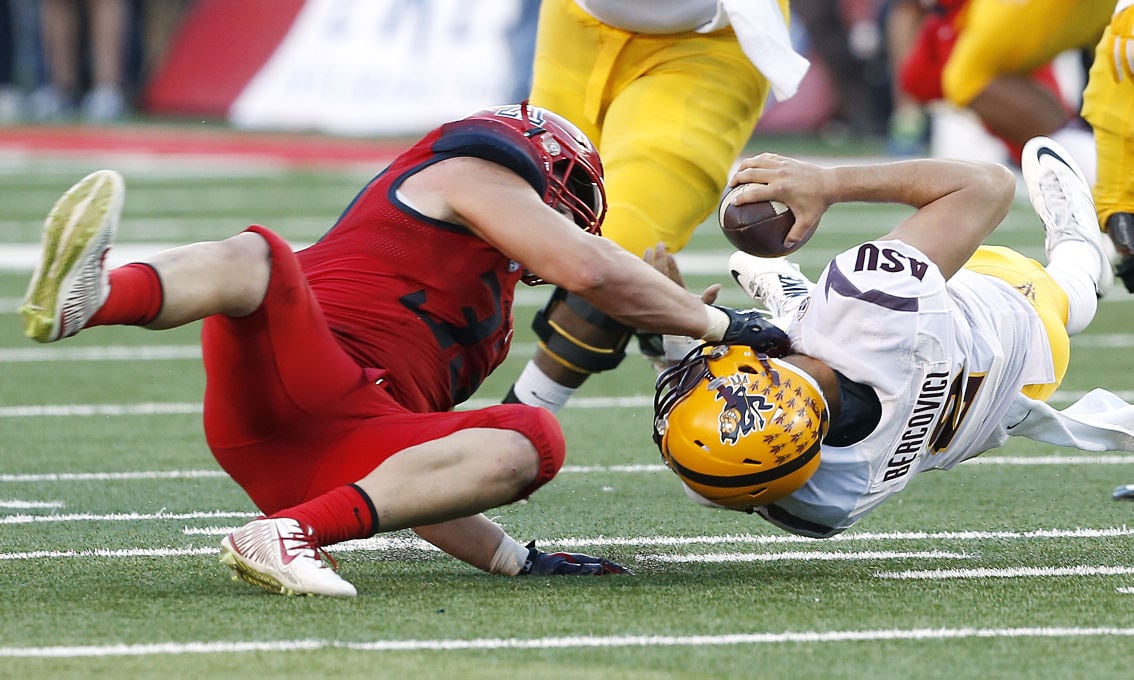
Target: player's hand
(662, 260)
(750, 327)
(567, 564)
(805, 187)
(1122, 48)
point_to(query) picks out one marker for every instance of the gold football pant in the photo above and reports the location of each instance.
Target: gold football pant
(1108, 105)
(1047, 298)
(1000, 37)
(669, 114)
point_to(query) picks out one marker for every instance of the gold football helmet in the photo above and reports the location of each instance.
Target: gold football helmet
(739, 428)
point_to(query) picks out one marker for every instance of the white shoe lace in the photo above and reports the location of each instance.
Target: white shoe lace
(781, 293)
(1057, 206)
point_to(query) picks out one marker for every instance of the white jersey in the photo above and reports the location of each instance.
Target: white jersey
(946, 359)
(656, 17)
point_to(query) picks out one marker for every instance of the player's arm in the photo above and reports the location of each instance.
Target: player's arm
(482, 543)
(500, 207)
(958, 203)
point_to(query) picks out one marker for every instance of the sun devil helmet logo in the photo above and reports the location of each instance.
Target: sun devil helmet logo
(742, 413)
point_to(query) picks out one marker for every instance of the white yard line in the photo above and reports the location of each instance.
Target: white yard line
(21, 355)
(389, 542)
(803, 555)
(574, 642)
(16, 504)
(32, 477)
(122, 517)
(1007, 572)
(67, 410)
(110, 476)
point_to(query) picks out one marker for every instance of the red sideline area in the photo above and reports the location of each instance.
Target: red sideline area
(291, 150)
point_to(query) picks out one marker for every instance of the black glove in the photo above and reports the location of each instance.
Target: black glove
(750, 327)
(571, 564)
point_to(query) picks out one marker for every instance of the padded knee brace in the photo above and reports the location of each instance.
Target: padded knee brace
(579, 336)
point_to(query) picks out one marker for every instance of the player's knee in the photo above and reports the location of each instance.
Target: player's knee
(246, 264)
(535, 448)
(578, 336)
(247, 249)
(517, 459)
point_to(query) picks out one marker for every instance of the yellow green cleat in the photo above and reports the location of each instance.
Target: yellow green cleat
(71, 283)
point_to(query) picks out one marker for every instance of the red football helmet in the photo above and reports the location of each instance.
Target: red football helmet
(571, 165)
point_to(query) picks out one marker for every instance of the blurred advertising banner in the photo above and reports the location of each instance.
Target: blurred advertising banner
(352, 67)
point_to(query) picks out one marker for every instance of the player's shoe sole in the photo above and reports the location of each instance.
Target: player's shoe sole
(244, 571)
(70, 282)
(279, 555)
(1061, 197)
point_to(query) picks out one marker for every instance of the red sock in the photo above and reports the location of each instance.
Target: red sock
(339, 515)
(135, 297)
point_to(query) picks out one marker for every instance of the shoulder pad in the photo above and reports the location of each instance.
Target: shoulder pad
(498, 144)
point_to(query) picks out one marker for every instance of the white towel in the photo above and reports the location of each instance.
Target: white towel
(1099, 421)
(763, 33)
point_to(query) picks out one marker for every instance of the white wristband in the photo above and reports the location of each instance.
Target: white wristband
(718, 324)
(509, 558)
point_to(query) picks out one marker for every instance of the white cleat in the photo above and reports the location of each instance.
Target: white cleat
(71, 281)
(280, 555)
(774, 282)
(1061, 197)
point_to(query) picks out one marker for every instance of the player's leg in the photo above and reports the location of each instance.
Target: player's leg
(663, 175)
(1045, 295)
(572, 50)
(72, 289)
(306, 445)
(573, 61)
(400, 470)
(1108, 104)
(226, 277)
(1000, 45)
(1073, 242)
(576, 340)
(280, 394)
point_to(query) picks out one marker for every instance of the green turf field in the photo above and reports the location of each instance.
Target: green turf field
(1019, 566)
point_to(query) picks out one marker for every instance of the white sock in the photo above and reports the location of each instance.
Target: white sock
(1078, 281)
(1080, 143)
(509, 558)
(535, 388)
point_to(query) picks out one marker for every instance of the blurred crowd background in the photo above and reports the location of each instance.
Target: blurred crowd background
(114, 61)
(88, 60)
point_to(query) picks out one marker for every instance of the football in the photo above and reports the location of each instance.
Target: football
(757, 228)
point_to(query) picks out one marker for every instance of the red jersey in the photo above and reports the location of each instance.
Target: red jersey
(427, 301)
